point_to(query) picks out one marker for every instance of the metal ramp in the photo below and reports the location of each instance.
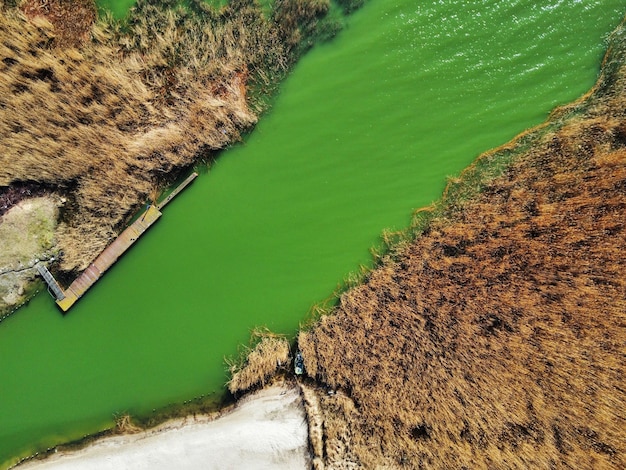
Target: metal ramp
(53, 285)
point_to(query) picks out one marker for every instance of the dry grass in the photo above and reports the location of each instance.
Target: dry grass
(258, 363)
(124, 425)
(108, 114)
(72, 21)
(88, 123)
(497, 338)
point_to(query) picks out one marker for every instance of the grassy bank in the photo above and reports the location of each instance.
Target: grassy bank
(108, 113)
(491, 334)
(105, 114)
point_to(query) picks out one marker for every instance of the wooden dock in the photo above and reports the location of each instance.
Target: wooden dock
(66, 298)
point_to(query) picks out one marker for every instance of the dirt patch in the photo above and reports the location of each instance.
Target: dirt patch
(10, 196)
(27, 232)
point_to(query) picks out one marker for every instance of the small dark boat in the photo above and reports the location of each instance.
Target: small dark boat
(298, 364)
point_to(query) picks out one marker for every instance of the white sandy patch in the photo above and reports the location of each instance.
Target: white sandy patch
(267, 430)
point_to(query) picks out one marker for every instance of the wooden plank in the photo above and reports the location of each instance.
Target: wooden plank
(116, 249)
(180, 187)
(108, 257)
(53, 285)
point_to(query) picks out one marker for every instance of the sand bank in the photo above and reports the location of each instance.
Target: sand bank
(266, 430)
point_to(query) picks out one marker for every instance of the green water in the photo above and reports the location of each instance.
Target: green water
(363, 132)
(118, 8)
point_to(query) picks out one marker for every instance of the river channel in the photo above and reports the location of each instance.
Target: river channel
(363, 132)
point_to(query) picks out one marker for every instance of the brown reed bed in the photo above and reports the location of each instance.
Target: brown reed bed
(496, 338)
(109, 113)
(267, 355)
(72, 21)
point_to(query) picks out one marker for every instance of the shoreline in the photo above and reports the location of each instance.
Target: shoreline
(113, 444)
(264, 430)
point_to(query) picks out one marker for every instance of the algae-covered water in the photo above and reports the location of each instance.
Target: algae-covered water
(118, 8)
(363, 132)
